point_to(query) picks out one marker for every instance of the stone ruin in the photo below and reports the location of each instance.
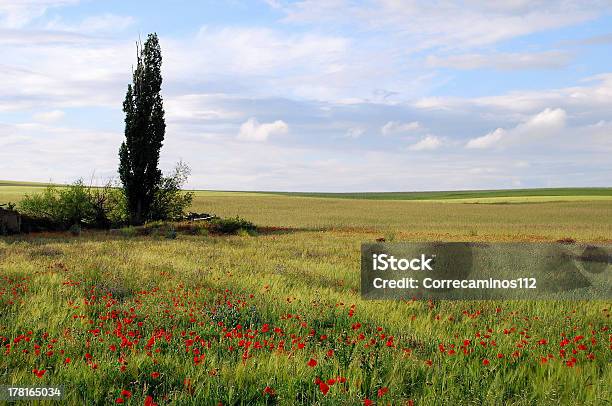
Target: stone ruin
(10, 221)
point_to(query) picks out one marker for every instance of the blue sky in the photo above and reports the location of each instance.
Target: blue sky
(331, 95)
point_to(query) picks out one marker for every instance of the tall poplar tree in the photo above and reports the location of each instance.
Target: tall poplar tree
(145, 128)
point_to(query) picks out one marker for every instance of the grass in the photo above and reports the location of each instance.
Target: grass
(465, 194)
(222, 318)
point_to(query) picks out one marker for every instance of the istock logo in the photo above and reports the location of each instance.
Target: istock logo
(384, 262)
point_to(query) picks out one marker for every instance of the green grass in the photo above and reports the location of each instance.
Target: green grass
(302, 281)
(21, 183)
(467, 194)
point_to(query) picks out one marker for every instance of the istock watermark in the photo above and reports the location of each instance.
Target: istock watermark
(478, 271)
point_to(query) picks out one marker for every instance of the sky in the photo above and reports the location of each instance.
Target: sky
(330, 95)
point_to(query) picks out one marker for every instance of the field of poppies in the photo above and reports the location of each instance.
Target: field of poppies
(277, 318)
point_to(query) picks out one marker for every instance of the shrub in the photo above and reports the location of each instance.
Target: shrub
(171, 233)
(170, 201)
(60, 208)
(129, 231)
(230, 225)
(110, 208)
(75, 230)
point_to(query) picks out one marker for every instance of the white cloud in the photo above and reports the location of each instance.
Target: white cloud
(18, 13)
(252, 130)
(425, 24)
(48, 116)
(546, 123)
(593, 97)
(429, 143)
(70, 152)
(102, 23)
(394, 127)
(199, 107)
(486, 141)
(502, 61)
(355, 132)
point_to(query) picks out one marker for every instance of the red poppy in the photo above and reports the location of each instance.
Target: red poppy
(67, 361)
(324, 388)
(382, 391)
(268, 391)
(119, 400)
(149, 401)
(312, 363)
(330, 353)
(367, 402)
(155, 375)
(485, 362)
(126, 393)
(39, 373)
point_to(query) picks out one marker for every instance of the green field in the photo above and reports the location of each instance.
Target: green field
(210, 319)
(466, 194)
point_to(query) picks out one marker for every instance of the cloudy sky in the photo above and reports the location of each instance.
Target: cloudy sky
(329, 95)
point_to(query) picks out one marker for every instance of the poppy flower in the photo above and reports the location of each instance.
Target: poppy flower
(324, 388)
(485, 362)
(312, 363)
(39, 373)
(126, 393)
(67, 361)
(367, 402)
(119, 400)
(382, 391)
(155, 375)
(268, 391)
(149, 401)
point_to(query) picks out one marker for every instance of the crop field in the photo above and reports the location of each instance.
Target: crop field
(277, 318)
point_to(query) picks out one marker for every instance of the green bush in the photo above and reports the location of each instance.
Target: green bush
(170, 201)
(63, 207)
(129, 231)
(75, 230)
(230, 225)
